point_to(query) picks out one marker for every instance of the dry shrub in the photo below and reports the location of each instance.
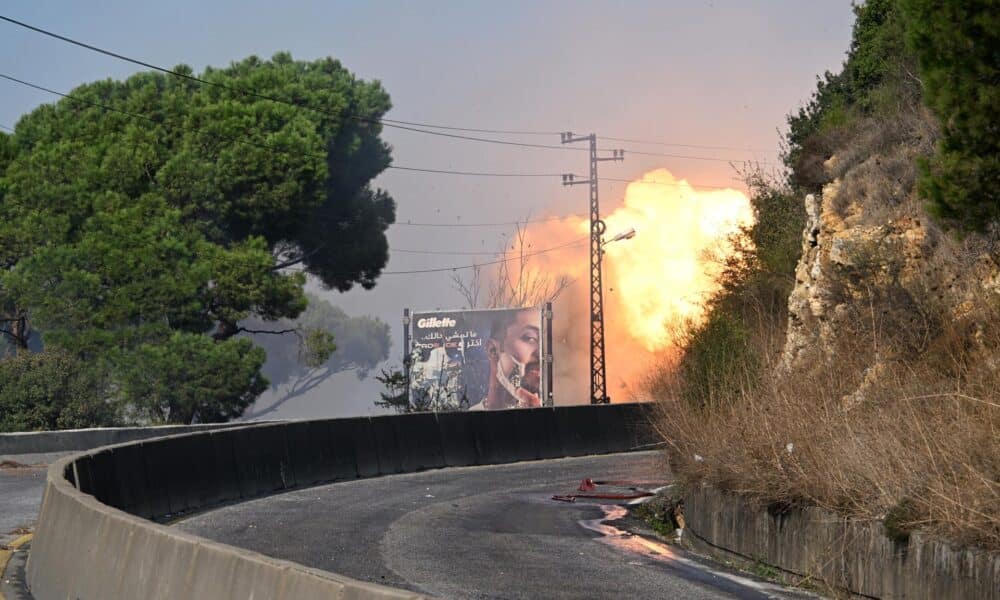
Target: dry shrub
(917, 442)
(877, 162)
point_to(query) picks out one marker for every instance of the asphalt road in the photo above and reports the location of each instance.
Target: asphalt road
(21, 492)
(482, 532)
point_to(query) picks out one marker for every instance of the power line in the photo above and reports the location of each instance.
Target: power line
(626, 140)
(569, 148)
(287, 152)
(500, 224)
(670, 183)
(398, 124)
(472, 173)
(421, 224)
(662, 143)
(473, 129)
(259, 144)
(685, 156)
(388, 123)
(454, 253)
(444, 253)
(501, 253)
(485, 264)
(603, 137)
(481, 139)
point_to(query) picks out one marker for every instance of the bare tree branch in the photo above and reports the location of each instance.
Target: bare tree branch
(299, 388)
(294, 330)
(514, 283)
(296, 260)
(471, 289)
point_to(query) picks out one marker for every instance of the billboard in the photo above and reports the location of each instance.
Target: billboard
(479, 359)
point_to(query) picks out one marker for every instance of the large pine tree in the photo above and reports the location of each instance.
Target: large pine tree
(142, 220)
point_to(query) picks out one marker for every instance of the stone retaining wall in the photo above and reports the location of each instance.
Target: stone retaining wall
(846, 554)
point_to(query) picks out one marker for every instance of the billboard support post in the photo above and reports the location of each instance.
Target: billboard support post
(547, 397)
(407, 351)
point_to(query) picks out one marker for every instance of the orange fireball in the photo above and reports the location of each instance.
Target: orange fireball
(664, 276)
(655, 284)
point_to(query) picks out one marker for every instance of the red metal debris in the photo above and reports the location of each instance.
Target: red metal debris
(589, 486)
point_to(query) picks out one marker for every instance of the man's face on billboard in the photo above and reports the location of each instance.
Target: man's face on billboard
(521, 342)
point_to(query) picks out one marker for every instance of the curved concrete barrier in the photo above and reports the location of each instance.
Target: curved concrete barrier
(97, 537)
(69, 440)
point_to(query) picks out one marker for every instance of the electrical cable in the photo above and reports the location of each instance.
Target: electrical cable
(662, 143)
(260, 96)
(497, 253)
(485, 264)
(578, 242)
(675, 184)
(288, 152)
(258, 144)
(395, 123)
(500, 224)
(688, 157)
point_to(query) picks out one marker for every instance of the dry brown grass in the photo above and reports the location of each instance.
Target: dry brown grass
(876, 162)
(920, 445)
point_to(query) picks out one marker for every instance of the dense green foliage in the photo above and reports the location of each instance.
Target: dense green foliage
(190, 377)
(877, 76)
(52, 390)
(721, 345)
(957, 44)
(141, 244)
(945, 53)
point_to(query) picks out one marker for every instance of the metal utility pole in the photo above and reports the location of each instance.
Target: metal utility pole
(598, 377)
(548, 381)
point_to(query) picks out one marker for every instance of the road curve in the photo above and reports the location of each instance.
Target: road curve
(478, 532)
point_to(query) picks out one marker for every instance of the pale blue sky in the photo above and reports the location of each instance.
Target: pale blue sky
(712, 73)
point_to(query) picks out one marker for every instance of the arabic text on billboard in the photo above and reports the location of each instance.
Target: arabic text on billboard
(476, 359)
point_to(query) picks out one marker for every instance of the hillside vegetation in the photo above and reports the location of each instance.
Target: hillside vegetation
(852, 360)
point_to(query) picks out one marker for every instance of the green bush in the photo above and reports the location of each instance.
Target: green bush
(53, 390)
(943, 52)
(876, 77)
(957, 44)
(717, 356)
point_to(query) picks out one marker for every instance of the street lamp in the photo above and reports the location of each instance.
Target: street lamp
(625, 235)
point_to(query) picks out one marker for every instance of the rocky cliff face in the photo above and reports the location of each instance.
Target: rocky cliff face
(878, 279)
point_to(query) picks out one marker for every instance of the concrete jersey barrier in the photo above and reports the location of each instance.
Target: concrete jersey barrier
(69, 440)
(97, 535)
